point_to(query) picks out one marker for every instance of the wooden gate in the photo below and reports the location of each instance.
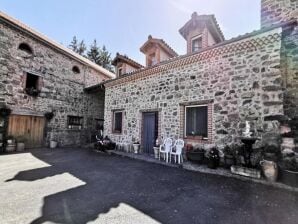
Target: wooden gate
(30, 127)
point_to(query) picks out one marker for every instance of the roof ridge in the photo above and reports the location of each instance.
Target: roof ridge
(18, 24)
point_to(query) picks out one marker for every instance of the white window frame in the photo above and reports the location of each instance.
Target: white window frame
(194, 38)
(191, 106)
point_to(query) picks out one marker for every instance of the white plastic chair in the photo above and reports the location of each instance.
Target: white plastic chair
(166, 148)
(177, 151)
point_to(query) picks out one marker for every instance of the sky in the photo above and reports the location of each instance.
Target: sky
(124, 25)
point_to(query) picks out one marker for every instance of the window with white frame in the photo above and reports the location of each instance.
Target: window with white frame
(196, 44)
(196, 121)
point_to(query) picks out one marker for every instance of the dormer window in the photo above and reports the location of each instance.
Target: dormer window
(26, 48)
(196, 44)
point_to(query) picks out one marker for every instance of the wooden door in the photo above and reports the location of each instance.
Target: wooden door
(149, 131)
(31, 127)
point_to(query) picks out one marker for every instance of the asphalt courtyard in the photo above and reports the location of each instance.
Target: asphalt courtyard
(81, 186)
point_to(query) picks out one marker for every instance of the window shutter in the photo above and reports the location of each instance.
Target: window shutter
(40, 83)
(24, 79)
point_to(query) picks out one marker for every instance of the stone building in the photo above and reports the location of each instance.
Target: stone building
(39, 77)
(207, 95)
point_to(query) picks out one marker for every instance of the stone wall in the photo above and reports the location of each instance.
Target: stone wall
(62, 91)
(242, 81)
(290, 76)
(276, 11)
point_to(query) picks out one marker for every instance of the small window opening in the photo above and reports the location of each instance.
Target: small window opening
(117, 122)
(76, 69)
(25, 47)
(32, 84)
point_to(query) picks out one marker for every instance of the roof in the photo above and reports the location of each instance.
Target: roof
(209, 20)
(20, 26)
(205, 50)
(161, 43)
(126, 59)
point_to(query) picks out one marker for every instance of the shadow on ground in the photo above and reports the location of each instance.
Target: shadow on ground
(167, 195)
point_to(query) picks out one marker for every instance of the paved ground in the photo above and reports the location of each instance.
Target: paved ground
(79, 186)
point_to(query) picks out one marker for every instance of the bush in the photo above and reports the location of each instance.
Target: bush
(290, 164)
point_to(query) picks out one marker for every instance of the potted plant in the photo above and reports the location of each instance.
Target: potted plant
(136, 147)
(288, 140)
(20, 143)
(229, 156)
(196, 155)
(4, 111)
(49, 115)
(32, 91)
(10, 146)
(271, 152)
(289, 171)
(213, 158)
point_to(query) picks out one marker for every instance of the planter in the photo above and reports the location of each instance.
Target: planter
(288, 143)
(270, 170)
(229, 161)
(20, 147)
(196, 156)
(156, 152)
(213, 163)
(136, 148)
(10, 148)
(289, 177)
(53, 144)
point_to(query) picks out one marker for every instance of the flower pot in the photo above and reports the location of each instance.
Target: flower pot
(9, 141)
(289, 177)
(270, 170)
(53, 144)
(136, 148)
(156, 152)
(20, 146)
(10, 148)
(229, 161)
(197, 157)
(213, 163)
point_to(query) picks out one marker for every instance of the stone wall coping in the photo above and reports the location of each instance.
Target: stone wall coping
(249, 40)
(20, 26)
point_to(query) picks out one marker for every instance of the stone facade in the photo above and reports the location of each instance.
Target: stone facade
(277, 11)
(62, 91)
(239, 80)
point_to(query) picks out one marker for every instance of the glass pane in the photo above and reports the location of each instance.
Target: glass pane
(196, 121)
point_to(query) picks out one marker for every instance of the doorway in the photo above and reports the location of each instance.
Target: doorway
(29, 127)
(150, 131)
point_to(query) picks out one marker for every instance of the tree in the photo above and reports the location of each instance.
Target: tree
(94, 53)
(73, 44)
(77, 47)
(105, 58)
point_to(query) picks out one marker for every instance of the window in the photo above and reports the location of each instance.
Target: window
(74, 122)
(196, 121)
(33, 84)
(25, 47)
(117, 121)
(152, 60)
(76, 69)
(120, 71)
(196, 44)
